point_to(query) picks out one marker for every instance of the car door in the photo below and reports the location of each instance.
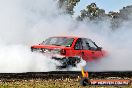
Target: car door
(87, 54)
(95, 52)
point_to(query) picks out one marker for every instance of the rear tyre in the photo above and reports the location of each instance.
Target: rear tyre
(73, 61)
(70, 61)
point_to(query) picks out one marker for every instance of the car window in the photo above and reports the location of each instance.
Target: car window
(85, 45)
(91, 45)
(59, 41)
(78, 45)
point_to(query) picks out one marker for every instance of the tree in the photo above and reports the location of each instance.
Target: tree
(68, 5)
(126, 12)
(94, 13)
(91, 12)
(115, 19)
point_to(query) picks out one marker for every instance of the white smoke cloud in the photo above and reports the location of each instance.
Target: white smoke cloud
(27, 22)
(24, 23)
(118, 45)
(18, 58)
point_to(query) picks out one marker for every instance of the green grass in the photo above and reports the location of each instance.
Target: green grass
(39, 83)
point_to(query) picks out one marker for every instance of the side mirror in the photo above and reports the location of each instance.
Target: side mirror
(99, 48)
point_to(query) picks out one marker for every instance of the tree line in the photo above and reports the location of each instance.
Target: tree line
(93, 13)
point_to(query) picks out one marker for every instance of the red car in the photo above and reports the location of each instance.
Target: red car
(69, 50)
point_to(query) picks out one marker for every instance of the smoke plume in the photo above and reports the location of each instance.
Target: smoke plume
(27, 22)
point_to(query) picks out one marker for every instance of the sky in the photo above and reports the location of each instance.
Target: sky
(107, 5)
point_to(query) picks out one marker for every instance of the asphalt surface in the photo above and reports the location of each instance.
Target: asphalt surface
(62, 74)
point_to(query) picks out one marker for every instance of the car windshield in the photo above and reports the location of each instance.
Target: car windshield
(59, 41)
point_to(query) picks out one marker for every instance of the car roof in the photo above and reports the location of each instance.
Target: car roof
(75, 37)
(71, 37)
(68, 36)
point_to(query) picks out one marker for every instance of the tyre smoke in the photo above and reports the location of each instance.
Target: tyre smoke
(27, 22)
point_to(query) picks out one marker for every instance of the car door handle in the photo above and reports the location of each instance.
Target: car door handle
(92, 52)
(82, 53)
